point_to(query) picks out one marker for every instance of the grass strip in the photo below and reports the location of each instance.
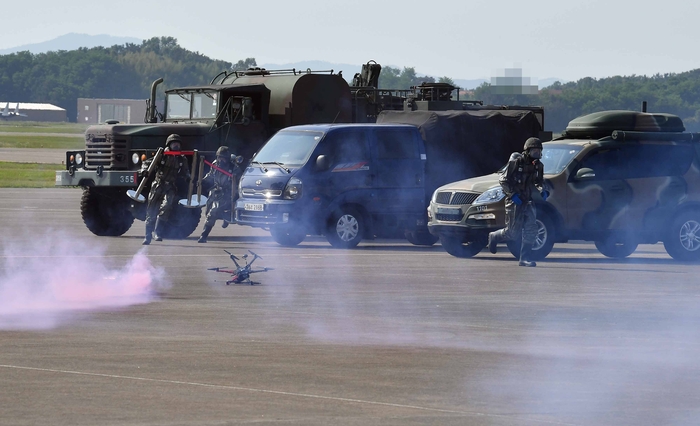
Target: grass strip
(28, 175)
(55, 142)
(41, 127)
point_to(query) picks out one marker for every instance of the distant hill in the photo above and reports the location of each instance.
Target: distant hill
(72, 41)
(349, 71)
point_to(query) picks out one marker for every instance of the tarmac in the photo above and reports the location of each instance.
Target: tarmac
(384, 334)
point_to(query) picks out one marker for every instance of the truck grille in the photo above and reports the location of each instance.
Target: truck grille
(453, 198)
(106, 151)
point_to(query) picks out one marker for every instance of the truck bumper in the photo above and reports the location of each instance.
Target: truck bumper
(125, 178)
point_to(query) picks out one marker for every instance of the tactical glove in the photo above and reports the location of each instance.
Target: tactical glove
(545, 195)
(516, 199)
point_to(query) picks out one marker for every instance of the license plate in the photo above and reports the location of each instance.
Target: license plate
(443, 210)
(254, 207)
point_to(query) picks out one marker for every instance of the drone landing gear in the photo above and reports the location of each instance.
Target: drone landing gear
(242, 282)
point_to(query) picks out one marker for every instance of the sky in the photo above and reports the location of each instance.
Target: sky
(460, 39)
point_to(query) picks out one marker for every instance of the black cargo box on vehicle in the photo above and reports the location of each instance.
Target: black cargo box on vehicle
(464, 144)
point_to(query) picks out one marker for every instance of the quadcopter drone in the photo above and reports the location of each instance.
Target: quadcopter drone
(241, 274)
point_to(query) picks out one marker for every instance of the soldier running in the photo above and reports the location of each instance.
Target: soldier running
(521, 178)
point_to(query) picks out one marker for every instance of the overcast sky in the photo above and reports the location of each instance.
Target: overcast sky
(461, 39)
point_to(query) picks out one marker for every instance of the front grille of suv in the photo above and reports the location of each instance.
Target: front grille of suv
(455, 198)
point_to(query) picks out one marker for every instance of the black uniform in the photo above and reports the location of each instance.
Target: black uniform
(221, 195)
(163, 193)
(522, 177)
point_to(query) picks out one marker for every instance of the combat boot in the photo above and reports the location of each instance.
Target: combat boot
(526, 255)
(147, 238)
(494, 238)
(158, 230)
(205, 234)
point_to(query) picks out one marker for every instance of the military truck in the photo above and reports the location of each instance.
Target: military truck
(239, 109)
(617, 178)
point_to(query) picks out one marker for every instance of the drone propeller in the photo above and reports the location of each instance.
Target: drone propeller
(256, 256)
(232, 256)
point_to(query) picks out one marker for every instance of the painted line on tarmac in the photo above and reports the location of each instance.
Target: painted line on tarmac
(274, 392)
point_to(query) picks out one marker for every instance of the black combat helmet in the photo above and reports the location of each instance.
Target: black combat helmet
(173, 138)
(536, 144)
(222, 154)
(532, 143)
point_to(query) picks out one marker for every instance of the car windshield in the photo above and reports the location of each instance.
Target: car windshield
(555, 158)
(191, 105)
(291, 148)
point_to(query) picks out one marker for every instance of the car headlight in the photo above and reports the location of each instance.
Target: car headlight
(293, 189)
(78, 159)
(135, 158)
(493, 195)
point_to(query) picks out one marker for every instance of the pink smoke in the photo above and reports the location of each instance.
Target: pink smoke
(55, 279)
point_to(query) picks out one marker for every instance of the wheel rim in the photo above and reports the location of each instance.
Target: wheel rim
(690, 235)
(347, 227)
(541, 237)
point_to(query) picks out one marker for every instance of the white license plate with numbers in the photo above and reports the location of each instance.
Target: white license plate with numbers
(255, 207)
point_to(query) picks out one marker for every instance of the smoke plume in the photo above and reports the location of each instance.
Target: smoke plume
(56, 278)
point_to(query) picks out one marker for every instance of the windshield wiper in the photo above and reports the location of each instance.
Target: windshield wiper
(260, 164)
(282, 166)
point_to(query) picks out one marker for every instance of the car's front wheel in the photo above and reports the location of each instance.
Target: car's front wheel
(458, 248)
(616, 249)
(682, 241)
(544, 241)
(287, 237)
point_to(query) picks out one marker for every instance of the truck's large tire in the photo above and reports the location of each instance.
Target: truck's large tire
(183, 222)
(105, 211)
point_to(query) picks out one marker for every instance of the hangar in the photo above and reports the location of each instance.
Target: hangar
(33, 112)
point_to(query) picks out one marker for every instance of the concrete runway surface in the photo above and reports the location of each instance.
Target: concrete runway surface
(385, 334)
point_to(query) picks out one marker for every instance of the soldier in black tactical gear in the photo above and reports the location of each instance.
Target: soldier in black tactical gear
(521, 178)
(162, 196)
(222, 178)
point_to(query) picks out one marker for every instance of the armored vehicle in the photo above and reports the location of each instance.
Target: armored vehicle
(618, 178)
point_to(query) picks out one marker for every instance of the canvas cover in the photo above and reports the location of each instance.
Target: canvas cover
(464, 144)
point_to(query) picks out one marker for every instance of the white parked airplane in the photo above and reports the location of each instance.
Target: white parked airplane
(7, 113)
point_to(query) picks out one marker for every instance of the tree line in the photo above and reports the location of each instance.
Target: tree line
(127, 71)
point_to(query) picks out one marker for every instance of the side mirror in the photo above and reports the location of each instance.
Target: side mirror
(585, 173)
(322, 163)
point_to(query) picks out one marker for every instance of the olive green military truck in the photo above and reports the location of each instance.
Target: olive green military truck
(618, 178)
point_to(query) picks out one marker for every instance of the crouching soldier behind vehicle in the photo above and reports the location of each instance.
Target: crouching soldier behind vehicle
(521, 178)
(163, 193)
(223, 181)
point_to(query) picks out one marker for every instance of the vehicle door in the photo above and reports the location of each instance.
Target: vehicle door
(598, 196)
(349, 176)
(399, 174)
